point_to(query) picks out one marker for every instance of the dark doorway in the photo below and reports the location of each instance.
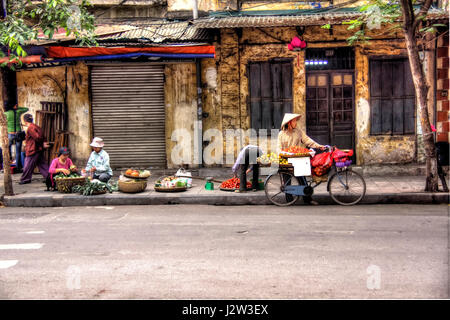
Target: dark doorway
(330, 98)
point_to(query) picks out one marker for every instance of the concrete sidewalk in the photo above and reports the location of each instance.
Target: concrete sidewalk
(380, 189)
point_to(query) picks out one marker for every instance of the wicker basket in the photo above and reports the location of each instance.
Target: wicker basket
(64, 185)
(132, 186)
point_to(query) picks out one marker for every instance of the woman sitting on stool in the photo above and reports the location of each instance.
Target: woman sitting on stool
(61, 164)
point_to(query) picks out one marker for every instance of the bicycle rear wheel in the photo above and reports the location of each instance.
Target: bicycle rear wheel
(275, 186)
(347, 187)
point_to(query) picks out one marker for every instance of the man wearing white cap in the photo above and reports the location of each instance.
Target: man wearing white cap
(98, 162)
(290, 136)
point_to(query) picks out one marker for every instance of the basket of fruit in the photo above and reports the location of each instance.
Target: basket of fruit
(65, 183)
(137, 174)
(233, 184)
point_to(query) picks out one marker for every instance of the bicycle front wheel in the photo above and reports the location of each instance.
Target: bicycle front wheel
(347, 187)
(275, 189)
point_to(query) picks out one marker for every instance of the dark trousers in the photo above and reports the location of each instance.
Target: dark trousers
(14, 141)
(103, 177)
(250, 160)
(302, 182)
(31, 162)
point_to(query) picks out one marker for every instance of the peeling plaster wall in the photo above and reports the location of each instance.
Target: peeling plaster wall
(211, 102)
(381, 148)
(36, 85)
(181, 111)
(238, 48)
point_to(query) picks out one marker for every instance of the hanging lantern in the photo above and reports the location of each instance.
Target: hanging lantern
(297, 44)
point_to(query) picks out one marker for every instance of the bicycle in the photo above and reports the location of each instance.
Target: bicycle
(346, 187)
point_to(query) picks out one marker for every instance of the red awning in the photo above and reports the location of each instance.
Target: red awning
(69, 52)
(27, 59)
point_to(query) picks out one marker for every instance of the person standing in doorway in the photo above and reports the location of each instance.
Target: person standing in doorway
(35, 146)
(14, 127)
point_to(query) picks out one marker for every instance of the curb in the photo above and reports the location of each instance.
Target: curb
(229, 200)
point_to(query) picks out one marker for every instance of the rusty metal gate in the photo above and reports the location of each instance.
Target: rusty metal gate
(128, 113)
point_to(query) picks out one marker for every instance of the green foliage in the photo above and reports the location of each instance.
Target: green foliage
(383, 15)
(95, 186)
(26, 20)
(376, 15)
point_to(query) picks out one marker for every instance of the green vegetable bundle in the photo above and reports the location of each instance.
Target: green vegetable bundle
(95, 187)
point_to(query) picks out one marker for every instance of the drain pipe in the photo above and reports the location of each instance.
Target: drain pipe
(194, 9)
(198, 127)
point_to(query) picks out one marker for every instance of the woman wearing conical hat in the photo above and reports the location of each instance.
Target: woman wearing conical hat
(290, 135)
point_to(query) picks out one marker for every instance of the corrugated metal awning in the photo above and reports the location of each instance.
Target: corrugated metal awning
(249, 21)
(272, 21)
(161, 31)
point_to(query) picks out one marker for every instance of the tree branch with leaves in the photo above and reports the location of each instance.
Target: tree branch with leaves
(27, 22)
(392, 16)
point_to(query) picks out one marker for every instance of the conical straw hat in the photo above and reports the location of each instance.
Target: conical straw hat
(288, 117)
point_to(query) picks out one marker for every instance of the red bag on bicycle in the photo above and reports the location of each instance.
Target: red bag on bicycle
(339, 155)
(321, 163)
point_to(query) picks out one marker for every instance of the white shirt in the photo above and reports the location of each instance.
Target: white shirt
(240, 158)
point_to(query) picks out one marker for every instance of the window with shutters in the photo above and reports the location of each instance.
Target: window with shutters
(270, 93)
(392, 97)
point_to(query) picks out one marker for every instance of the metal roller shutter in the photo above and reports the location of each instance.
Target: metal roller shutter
(128, 113)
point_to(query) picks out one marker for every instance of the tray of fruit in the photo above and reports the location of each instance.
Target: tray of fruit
(295, 152)
(170, 184)
(137, 174)
(295, 155)
(171, 189)
(233, 184)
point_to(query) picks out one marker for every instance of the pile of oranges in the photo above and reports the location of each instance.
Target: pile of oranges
(132, 173)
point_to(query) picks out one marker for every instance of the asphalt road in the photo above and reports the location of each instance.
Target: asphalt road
(218, 252)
